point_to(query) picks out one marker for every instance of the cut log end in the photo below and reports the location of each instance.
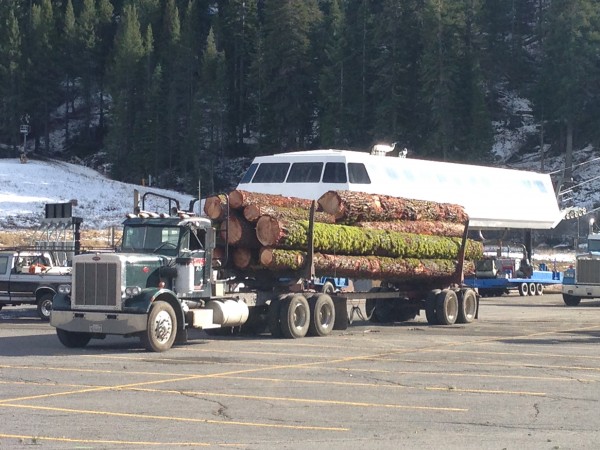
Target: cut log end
(268, 230)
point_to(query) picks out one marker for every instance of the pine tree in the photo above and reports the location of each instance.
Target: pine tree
(331, 76)
(396, 76)
(42, 92)
(239, 28)
(126, 92)
(289, 96)
(10, 75)
(570, 67)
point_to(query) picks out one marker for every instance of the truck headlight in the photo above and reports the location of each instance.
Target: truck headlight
(64, 289)
(132, 291)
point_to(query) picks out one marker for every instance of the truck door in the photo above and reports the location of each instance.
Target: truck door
(22, 284)
(4, 277)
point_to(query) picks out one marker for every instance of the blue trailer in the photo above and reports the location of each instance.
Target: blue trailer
(498, 276)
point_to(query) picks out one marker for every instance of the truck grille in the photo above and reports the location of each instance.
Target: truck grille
(96, 283)
(588, 271)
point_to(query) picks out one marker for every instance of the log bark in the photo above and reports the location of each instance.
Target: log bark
(349, 240)
(276, 259)
(253, 213)
(215, 207)
(238, 232)
(430, 228)
(369, 267)
(239, 199)
(350, 207)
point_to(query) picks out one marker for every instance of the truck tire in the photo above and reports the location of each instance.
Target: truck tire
(539, 289)
(273, 322)
(467, 306)
(571, 300)
(72, 339)
(431, 306)
(294, 316)
(532, 290)
(44, 306)
(322, 315)
(523, 289)
(162, 328)
(446, 307)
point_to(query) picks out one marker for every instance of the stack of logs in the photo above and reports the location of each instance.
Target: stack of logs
(355, 235)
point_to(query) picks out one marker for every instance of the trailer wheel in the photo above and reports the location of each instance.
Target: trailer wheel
(72, 339)
(44, 306)
(446, 307)
(273, 322)
(523, 289)
(532, 289)
(539, 289)
(162, 328)
(571, 300)
(430, 307)
(322, 315)
(467, 306)
(294, 316)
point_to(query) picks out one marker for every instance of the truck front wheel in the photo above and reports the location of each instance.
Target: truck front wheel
(162, 328)
(571, 300)
(44, 306)
(72, 339)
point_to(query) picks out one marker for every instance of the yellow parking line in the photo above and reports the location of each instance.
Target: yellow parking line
(539, 354)
(304, 400)
(175, 419)
(35, 439)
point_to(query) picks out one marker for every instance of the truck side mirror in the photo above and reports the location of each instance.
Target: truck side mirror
(210, 238)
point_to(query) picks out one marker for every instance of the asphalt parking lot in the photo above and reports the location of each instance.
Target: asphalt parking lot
(524, 376)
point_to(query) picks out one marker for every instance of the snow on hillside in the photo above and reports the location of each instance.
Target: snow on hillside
(101, 202)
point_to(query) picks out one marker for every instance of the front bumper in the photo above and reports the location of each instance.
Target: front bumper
(581, 290)
(99, 322)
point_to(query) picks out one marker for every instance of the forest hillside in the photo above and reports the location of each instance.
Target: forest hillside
(174, 90)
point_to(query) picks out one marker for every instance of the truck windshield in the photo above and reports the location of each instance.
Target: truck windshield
(151, 239)
(593, 245)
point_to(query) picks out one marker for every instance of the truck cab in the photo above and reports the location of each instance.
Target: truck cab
(161, 280)
(583, 280)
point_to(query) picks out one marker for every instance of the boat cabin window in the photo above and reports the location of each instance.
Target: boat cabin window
(271, 173)
(357, 173)
(305, 172)
(249, 173)
(335, 173)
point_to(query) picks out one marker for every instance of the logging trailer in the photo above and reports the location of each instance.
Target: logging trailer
(166, 278)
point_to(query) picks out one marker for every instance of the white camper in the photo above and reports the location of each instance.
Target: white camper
(494, 198)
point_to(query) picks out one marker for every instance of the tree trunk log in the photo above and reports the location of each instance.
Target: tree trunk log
(215, 207)
(244, 258)
(350, 207)
(446, 229)
(253, 213)
(276, 259)
(369, 267)
(348, 240)
(238, 232)
(239, 199)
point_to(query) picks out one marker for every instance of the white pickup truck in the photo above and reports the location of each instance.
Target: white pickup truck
(30, 277)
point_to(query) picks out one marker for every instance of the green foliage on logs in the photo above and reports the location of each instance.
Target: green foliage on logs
(349, 240)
